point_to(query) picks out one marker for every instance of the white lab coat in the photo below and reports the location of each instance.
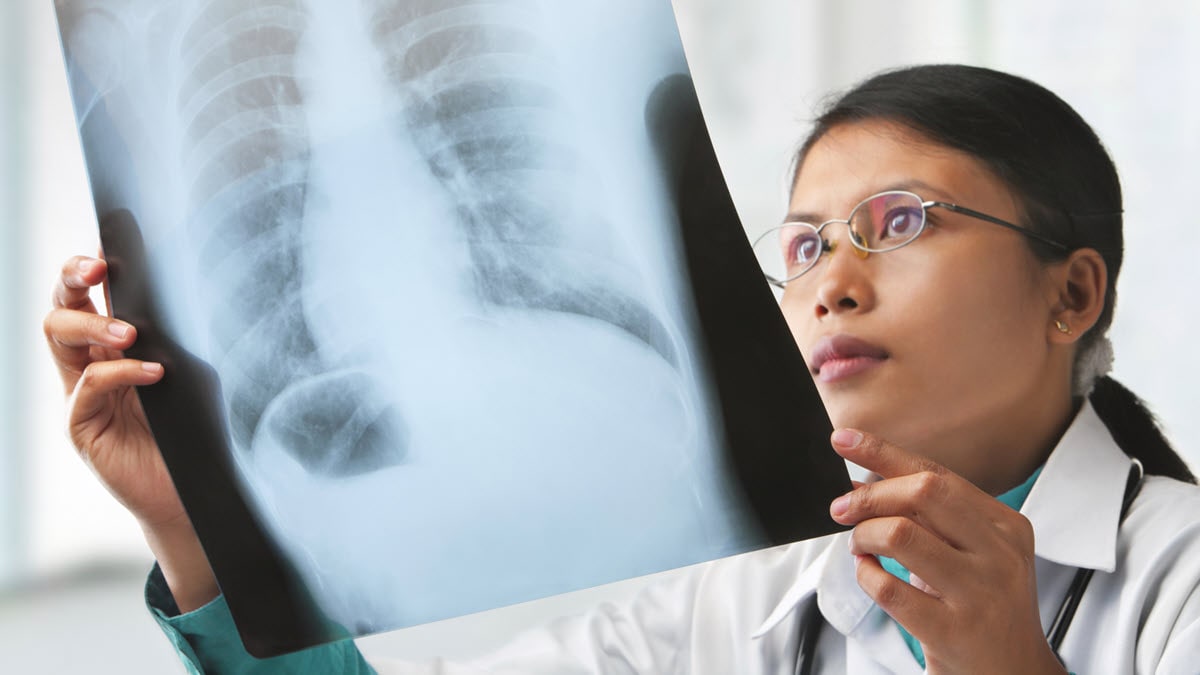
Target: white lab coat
(1141, 613)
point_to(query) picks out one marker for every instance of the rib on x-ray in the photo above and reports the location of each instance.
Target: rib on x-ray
(245, 152)
(479, 95)
(429, 251)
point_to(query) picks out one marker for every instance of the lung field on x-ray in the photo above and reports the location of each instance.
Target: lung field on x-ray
(476, 98)
(475, 90)
(245, 145)
(473, 79)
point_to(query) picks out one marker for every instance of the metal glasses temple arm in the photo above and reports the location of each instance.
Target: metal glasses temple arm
(1002, 223)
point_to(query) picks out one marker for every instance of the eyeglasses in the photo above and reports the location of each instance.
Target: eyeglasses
(878, 224)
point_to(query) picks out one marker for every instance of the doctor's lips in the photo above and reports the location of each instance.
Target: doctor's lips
(840, 356)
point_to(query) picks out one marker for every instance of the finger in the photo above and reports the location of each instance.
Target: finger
(79, 274)
(102, 378)
(916, 548)
(72, 335)
(920, 613)
(946, 504)
(877, 455)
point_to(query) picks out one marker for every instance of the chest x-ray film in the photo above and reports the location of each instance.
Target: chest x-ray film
(454, 306)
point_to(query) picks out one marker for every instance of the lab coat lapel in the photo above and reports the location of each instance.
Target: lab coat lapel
(1075, 505)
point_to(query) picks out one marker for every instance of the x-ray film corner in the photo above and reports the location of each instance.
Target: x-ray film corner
(444, 327)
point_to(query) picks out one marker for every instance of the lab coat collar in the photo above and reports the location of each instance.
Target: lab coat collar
(832, 577)
(1074, 507)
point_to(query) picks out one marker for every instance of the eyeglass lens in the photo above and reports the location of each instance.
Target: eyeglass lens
(880, 223)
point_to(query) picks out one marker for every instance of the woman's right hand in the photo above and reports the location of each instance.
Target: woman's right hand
(108, 427)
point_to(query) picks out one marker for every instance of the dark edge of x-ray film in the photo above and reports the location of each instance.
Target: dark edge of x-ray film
(776, 427)
(274, 610)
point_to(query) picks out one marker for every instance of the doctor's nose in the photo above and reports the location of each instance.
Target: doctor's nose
(843, 284)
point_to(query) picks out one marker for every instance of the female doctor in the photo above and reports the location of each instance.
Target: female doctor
(948, 261)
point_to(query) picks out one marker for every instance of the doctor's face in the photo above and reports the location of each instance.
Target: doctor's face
(931, 343)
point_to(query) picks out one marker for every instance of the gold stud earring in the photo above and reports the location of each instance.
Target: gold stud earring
(1062, 327)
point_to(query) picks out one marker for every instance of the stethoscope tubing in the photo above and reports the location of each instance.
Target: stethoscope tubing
(1083, 575)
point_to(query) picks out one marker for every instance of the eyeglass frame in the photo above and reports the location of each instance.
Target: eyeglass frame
(827, 247)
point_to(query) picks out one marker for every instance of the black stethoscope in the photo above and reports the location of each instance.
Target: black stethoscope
(812, 621)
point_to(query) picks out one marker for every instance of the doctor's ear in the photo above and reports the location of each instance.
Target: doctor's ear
(1079, 284)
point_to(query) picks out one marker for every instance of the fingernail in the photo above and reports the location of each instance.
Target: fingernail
(87, 266)
(840, 506)
(847, 438)
(151, 367)
(118, 330)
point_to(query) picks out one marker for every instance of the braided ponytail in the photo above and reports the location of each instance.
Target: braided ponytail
(1134, 428)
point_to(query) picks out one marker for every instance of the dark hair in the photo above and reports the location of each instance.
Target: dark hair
(1062, 178)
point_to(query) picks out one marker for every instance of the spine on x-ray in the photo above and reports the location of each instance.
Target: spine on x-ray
(246, 151)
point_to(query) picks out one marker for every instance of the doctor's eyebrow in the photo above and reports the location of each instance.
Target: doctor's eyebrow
(918, 187)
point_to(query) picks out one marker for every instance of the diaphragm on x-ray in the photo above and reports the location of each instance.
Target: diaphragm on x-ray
(455, 308)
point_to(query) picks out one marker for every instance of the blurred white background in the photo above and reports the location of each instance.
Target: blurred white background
(72, 562)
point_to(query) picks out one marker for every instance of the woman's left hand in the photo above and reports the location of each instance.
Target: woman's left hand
(973, 599)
